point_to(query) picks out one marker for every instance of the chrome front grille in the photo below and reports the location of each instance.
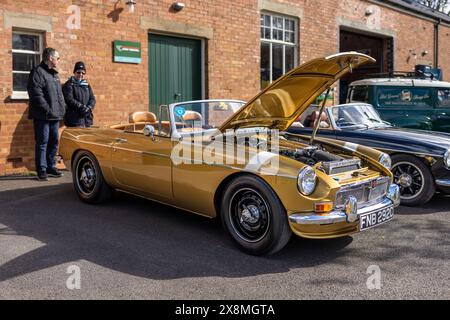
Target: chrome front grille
(366, 192)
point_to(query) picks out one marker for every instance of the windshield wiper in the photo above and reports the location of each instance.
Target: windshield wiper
(371, 119)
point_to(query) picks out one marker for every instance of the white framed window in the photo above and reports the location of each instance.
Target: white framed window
(27, 50)
(279, 43)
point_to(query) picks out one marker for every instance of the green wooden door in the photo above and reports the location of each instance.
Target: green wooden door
(174, 70)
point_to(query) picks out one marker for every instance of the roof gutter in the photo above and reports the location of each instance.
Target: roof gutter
(404, 7)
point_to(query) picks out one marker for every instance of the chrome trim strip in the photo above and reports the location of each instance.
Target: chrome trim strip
(141, 152)
(443, 182)
(108, 145)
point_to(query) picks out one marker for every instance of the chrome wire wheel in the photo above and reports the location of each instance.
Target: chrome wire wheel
(86, 175)
(249, 215)
(410, 179)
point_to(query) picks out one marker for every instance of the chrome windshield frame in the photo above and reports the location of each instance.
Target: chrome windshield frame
(177, 135)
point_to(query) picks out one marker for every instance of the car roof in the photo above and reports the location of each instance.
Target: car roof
(401, 82)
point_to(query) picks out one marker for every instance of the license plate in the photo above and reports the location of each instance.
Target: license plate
(373, 219)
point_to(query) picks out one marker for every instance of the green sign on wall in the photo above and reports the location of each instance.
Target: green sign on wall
(127, 52)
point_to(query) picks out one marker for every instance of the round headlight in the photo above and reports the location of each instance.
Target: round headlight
(447, 159)
(385, 160)
(306, 181)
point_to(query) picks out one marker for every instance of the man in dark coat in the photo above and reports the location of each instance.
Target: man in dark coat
(47, 109)
(80, 99)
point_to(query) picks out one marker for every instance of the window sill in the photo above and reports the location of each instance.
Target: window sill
(20, 95)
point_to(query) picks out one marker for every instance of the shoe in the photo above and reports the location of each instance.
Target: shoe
(53, 172)
(42, 176)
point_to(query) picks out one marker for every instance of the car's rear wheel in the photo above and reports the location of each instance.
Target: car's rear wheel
(254, 217)
(88, 179)
(414, 179)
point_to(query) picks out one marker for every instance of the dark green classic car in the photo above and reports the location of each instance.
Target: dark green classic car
(409, 103)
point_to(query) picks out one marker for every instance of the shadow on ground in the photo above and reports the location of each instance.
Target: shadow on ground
(146, 239)
(138, 237)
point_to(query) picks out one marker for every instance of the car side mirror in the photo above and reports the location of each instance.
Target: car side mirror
(149, 131)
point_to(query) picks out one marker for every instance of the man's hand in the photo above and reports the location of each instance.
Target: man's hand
(85, 110)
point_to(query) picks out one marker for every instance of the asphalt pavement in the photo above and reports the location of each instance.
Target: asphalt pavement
(53, 246)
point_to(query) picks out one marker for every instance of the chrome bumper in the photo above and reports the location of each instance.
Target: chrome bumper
(443, 182)
(392, 198)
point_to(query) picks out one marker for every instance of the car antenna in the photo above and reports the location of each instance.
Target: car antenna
(316, 127)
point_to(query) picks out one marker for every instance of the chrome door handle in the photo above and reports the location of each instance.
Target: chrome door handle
(120, 140)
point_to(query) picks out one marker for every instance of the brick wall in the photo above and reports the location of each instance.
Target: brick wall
(232, 59)
(444, 49)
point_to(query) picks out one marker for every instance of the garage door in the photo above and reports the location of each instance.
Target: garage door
(174, 70)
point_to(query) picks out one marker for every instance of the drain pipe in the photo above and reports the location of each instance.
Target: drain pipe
(436, 43)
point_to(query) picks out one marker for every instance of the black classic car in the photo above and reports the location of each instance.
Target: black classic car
(419, 159)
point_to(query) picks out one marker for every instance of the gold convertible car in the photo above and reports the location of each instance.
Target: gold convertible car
(234, 160)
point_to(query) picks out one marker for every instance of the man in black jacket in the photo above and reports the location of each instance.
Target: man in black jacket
(47, 109)
(80, 99)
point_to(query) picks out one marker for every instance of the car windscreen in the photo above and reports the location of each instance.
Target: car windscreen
(203, 115)
(357, 117)
(358, 94)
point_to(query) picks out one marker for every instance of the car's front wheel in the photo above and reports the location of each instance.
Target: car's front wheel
(254, 217)
(414, 179)
(88, 179)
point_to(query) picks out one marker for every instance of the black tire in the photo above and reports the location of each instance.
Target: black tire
(414, 178)
(88, 180)
(265, 229)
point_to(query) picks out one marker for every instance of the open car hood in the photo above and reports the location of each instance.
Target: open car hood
(284, 100)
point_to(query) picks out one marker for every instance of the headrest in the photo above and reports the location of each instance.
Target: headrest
(315, 115)
(192, 116)
(141, 116)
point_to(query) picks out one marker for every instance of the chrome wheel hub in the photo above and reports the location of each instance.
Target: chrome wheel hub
(249, 215)
(409, 178)
(405, 180)
(86, 176)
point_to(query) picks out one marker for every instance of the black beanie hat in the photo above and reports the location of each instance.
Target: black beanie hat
(79, 66)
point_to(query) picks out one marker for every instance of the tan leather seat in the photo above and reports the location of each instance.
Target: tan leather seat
(192, 116)
(324, 122)
(141, 116)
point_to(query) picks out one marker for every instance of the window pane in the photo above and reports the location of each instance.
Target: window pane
(277, 35)
(20, 81)
(277, 61)
(265, 33)
(290, 25)
(444, 98)
(289, 37)
(360, 93)
(25, 42)
(24, 61)
(290, 58)
(265, 65)
(265, 21)
(278, 23)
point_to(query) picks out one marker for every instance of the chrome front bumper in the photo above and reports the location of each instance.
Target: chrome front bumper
(443, 182)
(392, 198)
